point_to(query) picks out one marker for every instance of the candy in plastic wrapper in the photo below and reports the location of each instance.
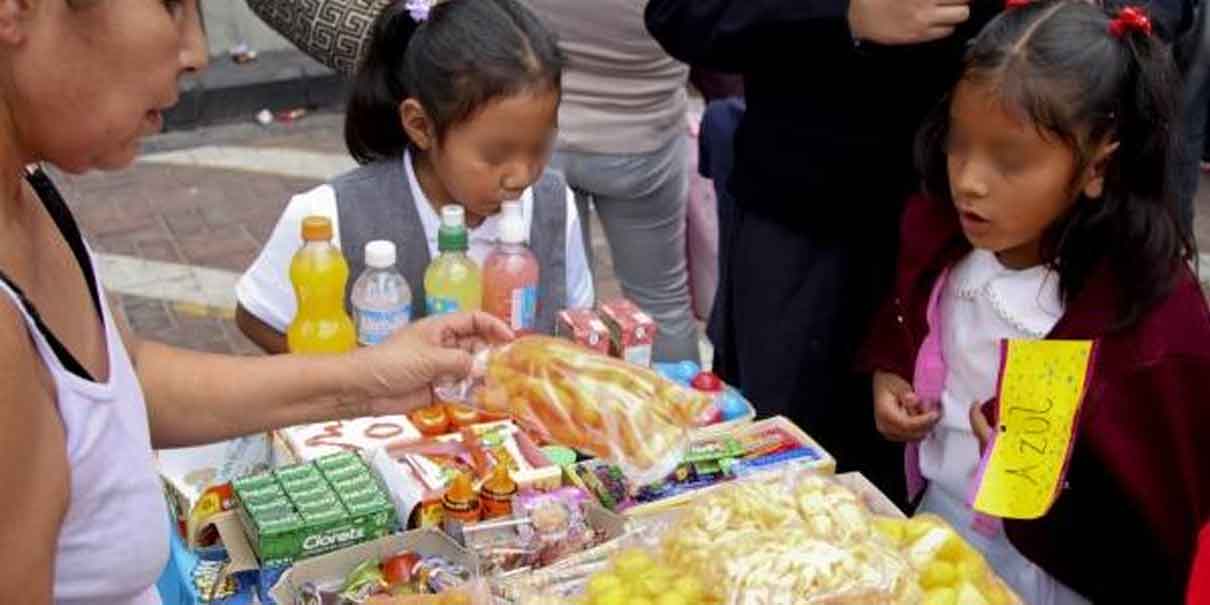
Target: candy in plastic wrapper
(557, 523)
(624, 413)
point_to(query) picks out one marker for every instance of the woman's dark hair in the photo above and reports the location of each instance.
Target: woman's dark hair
(465, 54)
(1057, 63)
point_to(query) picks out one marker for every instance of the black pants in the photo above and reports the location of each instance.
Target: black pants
(794, 308)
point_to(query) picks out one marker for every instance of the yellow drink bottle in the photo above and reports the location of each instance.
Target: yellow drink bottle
(319, 273)
(453, 281)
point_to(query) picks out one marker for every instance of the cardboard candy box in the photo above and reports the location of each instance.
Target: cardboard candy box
(584, 326)
(631, 331)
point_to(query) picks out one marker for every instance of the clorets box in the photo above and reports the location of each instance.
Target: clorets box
(310, 509)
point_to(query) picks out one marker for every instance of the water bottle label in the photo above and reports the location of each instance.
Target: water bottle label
(376, 325)
(524, 308)
(440, 306)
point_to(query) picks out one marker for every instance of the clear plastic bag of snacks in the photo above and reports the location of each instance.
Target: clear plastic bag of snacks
(788, 539)
(634, 574)
(624, 413)
(951, 571)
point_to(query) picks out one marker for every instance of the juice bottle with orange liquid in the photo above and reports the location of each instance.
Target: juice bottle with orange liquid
(319, 273)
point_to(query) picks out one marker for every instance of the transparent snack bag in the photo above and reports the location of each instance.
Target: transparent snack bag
(606, 407)
(788, 538)
(951, 571)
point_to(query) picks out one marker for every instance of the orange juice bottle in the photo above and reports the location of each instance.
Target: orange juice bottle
(319, 273)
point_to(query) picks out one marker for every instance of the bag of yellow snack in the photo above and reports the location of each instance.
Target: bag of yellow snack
(606, 407)
(951, 571)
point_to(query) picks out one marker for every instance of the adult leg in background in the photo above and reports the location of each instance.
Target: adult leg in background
(1195, 105)
(640, 201)
(795, 307)
(716, 149)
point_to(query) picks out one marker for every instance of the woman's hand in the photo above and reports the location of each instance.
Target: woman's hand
(403, 369)
(898, 412)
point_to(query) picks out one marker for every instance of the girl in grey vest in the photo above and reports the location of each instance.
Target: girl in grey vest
(456, 103)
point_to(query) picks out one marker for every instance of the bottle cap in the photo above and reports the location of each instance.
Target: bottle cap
(707, 382)
(461, 489)
(452, 236)
(453, 215)
(500, 483)
(380, 254)
(316, 229)
(512, 224)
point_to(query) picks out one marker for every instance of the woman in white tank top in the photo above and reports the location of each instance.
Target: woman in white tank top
(82, 400)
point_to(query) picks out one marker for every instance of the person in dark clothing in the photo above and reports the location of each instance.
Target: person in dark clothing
(823, 160)
(716, 155)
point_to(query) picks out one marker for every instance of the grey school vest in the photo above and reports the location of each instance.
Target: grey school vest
(374, 201)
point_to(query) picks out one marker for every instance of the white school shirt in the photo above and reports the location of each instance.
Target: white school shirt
(984, 302)
(265, 289)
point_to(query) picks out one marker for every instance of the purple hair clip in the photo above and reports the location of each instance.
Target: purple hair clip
(419, 9)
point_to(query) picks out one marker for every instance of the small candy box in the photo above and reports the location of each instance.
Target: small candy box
(584, 326)
(631, 331)
(299, 512)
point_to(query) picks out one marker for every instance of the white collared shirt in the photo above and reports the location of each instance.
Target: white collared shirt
(265, 290)
(984, 303)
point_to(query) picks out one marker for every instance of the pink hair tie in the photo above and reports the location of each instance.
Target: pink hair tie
(1015, 4)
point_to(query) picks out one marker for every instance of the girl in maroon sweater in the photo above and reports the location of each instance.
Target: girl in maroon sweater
(1049, 216)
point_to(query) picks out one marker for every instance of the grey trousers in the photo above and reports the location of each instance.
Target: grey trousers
(1191, 142)
(640, 199)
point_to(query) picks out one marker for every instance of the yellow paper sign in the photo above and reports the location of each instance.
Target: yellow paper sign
(1041, 389)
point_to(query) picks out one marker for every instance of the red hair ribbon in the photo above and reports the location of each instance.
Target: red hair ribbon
(1130, 19)
(1015, 4)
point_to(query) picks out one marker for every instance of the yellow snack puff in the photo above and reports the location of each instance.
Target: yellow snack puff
(688, 587)
(617, 595)
(969, 595)
(970, 570)
(672, 598)
(656, 582)
(603, 583)
(939, 574)
(632, 563)
(955, 549)
(891, 529)
(941, 596)
(914, 528)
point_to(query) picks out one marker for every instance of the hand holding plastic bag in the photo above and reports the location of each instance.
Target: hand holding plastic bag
(624, 413)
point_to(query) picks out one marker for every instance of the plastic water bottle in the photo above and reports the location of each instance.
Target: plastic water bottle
(382, 300)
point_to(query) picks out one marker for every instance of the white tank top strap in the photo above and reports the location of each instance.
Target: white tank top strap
(116, 510)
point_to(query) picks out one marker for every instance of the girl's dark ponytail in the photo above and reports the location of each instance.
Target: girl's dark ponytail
(372, 123)
(1138, 182)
